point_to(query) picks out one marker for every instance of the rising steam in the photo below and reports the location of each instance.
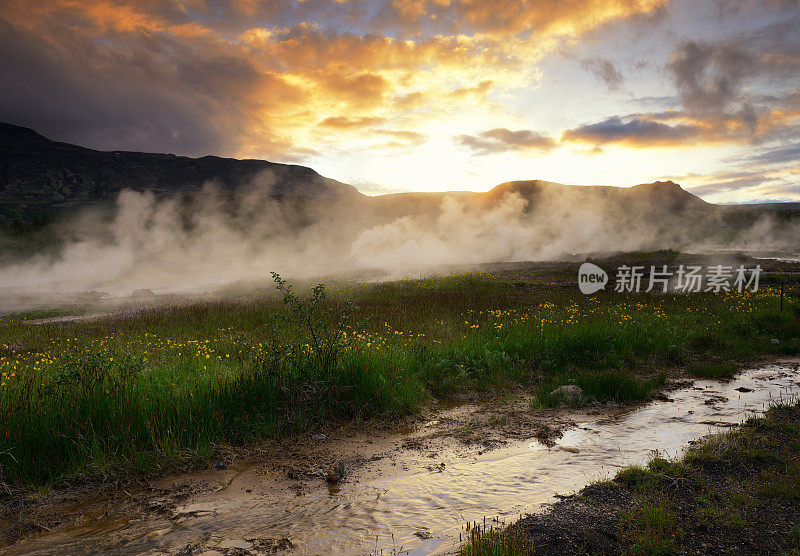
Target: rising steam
(212, 238)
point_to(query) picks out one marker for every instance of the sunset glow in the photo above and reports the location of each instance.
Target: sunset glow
(426, 95)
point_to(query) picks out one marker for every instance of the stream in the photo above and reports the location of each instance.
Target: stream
(409, 507)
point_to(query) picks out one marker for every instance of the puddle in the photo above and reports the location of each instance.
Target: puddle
(421, 506)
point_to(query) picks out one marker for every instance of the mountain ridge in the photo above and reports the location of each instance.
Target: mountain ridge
(39, 175)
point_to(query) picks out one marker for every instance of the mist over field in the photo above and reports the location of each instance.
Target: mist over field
(211, 238)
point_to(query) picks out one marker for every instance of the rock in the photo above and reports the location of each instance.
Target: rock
(569, 393)
(335, 472)
(423, 535)
(143, 293)
(570, 449)
(219, 466)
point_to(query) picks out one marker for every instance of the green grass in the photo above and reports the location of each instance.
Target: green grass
(603, 386)
(171, 384)
(723, 484)
(713, 370)
(483, 540)
(649, 529)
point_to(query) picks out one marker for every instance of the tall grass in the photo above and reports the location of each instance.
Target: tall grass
(713, 370)
(486, 540)
(117, 395)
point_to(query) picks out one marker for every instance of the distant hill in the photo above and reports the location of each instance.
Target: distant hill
(645, 202)
(39, 176)
(58, 201)
(664, 195)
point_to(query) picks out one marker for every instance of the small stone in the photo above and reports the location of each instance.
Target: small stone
(570, 449)
(335, 472)
(219, 466)
(569, 393)
(423, 535)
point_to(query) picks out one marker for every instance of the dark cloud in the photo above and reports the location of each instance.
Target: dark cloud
(632, 131)
(157, 95)
(710, 77)
(503, 140)
(605, 70)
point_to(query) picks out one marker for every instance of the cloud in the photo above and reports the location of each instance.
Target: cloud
(775, 156)
(731, 181)
(504, 140)
(710, 77)
(605, 70)
(286, 80)
(406, 137)
(505, 18)
(243, 78)
(636, 132)
(343, 122)
(81, 91)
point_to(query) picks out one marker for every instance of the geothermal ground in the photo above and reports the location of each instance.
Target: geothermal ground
(369, 417)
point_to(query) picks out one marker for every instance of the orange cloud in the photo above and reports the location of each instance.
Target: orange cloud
(343, 122)
(276, 79)
(504, 18)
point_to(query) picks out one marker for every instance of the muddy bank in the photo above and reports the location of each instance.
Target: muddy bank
(275, 475)
(413, 489)
(734, 493)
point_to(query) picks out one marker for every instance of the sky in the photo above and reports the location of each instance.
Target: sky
(425, 95)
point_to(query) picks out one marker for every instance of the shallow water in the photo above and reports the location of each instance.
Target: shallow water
(423, 510)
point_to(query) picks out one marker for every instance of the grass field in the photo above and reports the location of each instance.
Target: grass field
(141, 392)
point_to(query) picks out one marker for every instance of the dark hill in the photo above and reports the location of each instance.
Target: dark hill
(38, 175)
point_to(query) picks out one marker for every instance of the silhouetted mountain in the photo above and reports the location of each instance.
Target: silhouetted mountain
(42, 177)
(660, 195)
(644, 201)
(39, 175)
(260, 203)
